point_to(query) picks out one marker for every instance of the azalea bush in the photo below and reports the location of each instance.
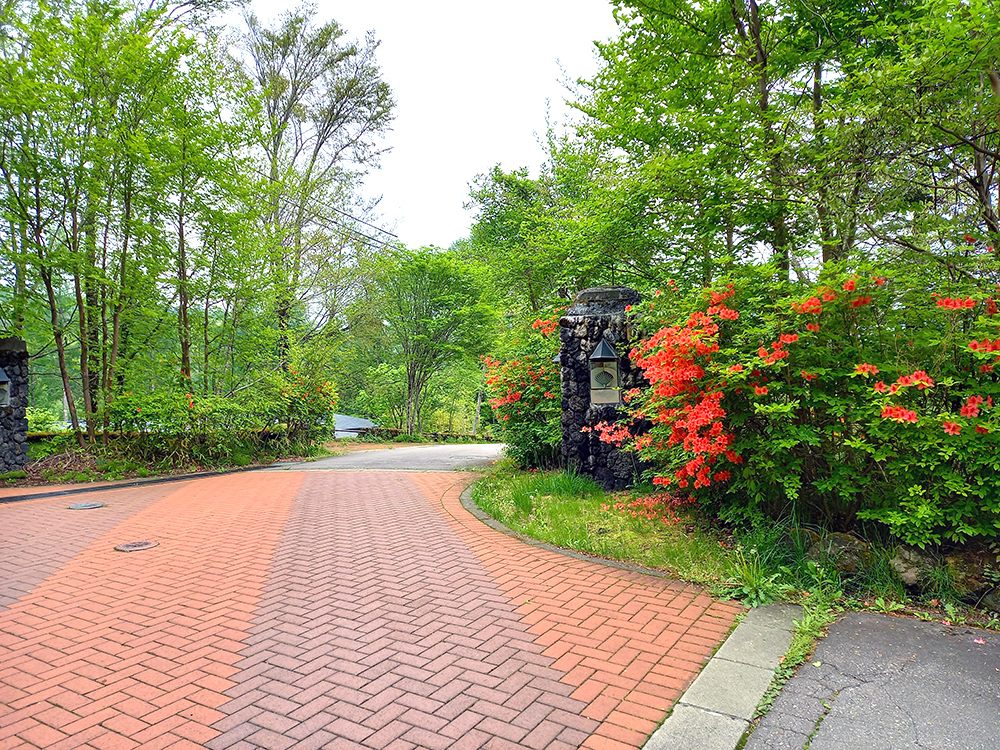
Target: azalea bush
(525, 395)
(305, 406)
(868, 397)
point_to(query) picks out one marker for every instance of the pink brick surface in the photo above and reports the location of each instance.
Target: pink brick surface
(101, 648)
(314, 609)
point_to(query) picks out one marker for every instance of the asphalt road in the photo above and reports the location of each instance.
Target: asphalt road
(447, 457)
(890, 683)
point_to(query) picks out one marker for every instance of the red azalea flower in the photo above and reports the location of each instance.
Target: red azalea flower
(810, 306)
(898, 414)
(952, 428)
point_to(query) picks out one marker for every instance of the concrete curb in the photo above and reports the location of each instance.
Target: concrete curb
(125, 484)
(715, 712)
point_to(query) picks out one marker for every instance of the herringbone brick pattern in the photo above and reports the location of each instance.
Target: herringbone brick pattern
(339, 610)
(629, 643)
(40, 536)
(380, 630)
(126, 650)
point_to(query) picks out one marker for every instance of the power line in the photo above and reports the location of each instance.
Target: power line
(330, 208)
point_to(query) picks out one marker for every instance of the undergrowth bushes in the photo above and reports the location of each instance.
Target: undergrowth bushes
(288, 412)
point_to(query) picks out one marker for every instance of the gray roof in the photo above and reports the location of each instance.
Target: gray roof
(345, 426)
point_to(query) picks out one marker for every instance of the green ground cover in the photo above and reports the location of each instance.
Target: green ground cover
(758, 565)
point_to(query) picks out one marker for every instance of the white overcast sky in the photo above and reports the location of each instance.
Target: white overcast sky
(471, 80)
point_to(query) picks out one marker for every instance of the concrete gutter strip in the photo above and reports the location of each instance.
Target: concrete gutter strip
(715, 712)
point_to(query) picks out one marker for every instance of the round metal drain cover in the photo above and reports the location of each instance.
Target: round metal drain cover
(135, 546)
(86, 506)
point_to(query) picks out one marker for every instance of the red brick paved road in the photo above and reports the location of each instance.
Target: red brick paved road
(340, 610)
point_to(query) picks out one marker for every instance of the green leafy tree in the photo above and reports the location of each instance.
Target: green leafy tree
(321, 106)
(430, 307)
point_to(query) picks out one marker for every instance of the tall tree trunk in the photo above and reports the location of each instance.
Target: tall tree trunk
(79, 267)
(92, 299)
(780, 236)
(479, 402)
(20, 271)
(207, 341)
(57, 336)
(831, 249)
(183, 324)
(116, 312)
(88, 401)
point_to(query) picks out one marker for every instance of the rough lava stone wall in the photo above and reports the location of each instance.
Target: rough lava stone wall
(596, 312)
(13, 418)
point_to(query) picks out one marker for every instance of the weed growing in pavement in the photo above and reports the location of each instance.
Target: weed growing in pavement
(819, 609)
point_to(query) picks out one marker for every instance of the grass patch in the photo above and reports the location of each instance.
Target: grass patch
(761, 565)
(571, 511)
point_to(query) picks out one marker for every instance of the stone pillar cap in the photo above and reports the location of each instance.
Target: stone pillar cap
(603, 300)
(13, 344)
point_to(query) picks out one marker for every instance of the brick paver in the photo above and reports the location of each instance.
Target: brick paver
(340, 610)
(40, 536)
(630, 643)
(125, 650)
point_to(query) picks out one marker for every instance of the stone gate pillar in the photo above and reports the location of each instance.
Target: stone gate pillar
(596, 314)
(13, 417)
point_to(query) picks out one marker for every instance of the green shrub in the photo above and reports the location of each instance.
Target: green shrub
(40, 447)
(40, 419)
(286, 412)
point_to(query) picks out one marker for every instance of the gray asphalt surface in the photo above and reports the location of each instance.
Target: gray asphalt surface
(889, 683)
(445, 457)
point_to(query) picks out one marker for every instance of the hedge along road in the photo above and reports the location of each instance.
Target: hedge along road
(344, 609)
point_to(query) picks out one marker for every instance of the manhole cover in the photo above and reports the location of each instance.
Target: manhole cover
(86, 506)
(135, 546)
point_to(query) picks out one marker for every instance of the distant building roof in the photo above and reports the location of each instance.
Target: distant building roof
(345, 426)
